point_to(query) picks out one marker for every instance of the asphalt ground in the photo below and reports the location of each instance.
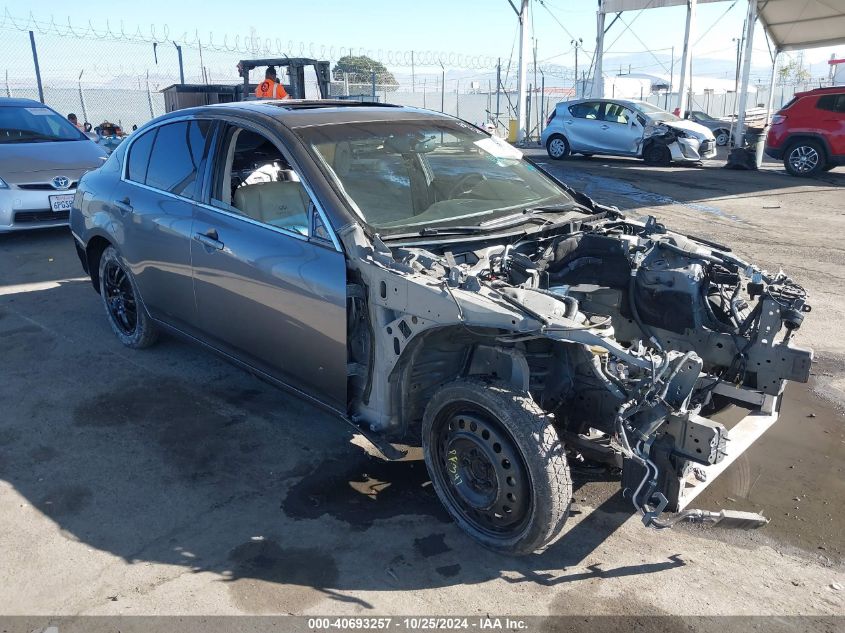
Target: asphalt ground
(168, 482)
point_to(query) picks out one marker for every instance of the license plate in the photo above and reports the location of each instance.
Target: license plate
(61, 203)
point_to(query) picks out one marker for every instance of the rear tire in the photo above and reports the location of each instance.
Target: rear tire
(657, 155)
(497, 465)
(122, 302)
(804, 159)
(557, 147)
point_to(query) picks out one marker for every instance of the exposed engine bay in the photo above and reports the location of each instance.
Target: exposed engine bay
(629, 335)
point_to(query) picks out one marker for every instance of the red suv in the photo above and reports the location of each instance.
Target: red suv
(808, 133)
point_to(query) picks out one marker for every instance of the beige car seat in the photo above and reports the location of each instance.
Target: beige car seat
(284, 204)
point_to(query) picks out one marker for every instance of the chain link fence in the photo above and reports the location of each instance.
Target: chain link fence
(118, 77)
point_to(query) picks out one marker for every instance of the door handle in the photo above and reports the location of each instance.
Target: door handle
(209, 239)
(124, 206)
(605, 126)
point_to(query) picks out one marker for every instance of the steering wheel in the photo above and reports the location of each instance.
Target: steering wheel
(464, 184)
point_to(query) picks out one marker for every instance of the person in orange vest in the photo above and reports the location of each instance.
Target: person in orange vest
(270, 88)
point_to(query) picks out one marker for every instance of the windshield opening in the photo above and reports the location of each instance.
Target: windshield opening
(655, 113)
(407, 175)
(35, 124)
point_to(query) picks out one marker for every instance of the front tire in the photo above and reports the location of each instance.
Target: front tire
(804, 158)
(125, 311)
(657, 155)
(723, 137)
(497, 465)
(557, 147)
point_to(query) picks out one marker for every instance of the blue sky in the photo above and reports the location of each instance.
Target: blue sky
(473, 27)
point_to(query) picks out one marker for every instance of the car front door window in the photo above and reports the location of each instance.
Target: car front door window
(257, 181)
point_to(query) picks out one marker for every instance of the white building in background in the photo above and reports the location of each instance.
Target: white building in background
(642, 85)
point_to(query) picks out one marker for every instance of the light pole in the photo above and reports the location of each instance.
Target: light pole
(577, 44)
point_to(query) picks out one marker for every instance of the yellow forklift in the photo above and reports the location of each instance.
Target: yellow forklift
(183, 95)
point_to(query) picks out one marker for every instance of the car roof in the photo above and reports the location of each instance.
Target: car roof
(821, 91)
(15, 101)
(298, 113)
(600, 100)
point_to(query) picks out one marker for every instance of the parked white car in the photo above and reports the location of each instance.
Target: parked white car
(42, 157)
(625, 128)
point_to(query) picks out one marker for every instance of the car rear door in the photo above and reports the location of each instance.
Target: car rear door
(584, 129)
(269, 275)
(832, 119)
(155, 201)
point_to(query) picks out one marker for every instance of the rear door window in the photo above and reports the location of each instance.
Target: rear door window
(586, 110)
(177, 155)
(832, 103)
(139, 157)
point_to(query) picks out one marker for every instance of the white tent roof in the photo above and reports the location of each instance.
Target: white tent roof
(792, 24)
(797, 24)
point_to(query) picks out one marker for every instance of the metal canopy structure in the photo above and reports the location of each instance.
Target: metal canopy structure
(789, 25)
(793, 25)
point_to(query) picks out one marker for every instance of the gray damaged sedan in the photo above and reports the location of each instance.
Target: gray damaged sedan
(429, 285)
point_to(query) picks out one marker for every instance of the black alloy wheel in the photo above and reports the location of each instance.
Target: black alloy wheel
(120, 298)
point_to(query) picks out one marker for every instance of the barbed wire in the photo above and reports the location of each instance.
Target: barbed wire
(248, 44)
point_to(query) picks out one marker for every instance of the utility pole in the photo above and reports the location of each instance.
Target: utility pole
(738, 41)
(522, 94)
(671, 79)
(498, 90)
(534, 92)
(686, 61)
(577, 44)
(750, 21)
(442, 87)
(598, 73)
(458, 98)
(542, 100)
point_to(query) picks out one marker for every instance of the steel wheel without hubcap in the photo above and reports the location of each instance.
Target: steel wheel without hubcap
(722, 138)
(120, 299)
(484, 475)
(804, 159)
(497, 464)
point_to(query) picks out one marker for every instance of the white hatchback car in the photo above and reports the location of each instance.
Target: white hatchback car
(42, 157)
(625, 128)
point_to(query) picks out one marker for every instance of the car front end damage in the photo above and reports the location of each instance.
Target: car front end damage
(628, 336)
(684, 144)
